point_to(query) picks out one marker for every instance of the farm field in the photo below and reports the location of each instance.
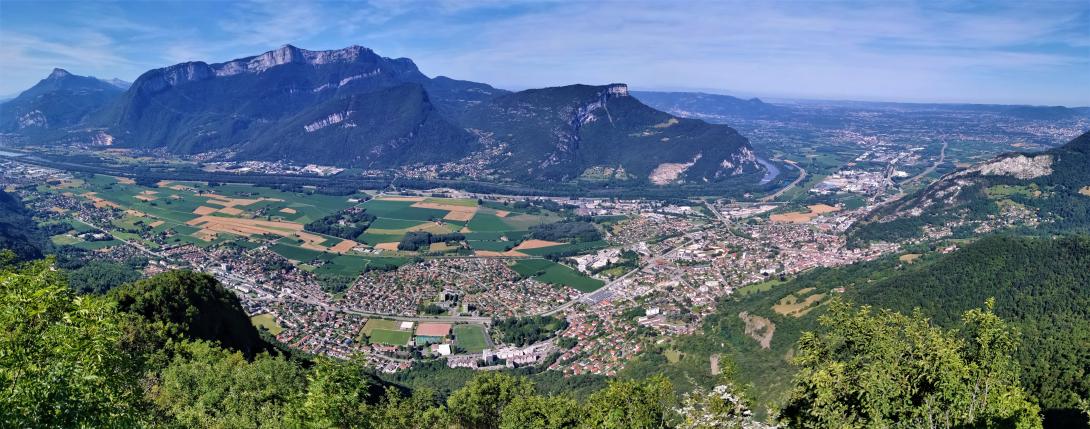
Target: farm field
(551, 272)
(470, 337)
(196, 213)
(486, 227)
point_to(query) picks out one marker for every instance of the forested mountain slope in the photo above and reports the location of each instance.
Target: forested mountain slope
(18, 231)
(1043, 192)
(60, 100)
(602, 132)
(1041, 286)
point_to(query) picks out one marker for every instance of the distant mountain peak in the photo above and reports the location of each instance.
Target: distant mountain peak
(59, 73)
(289, 54)
(118, 83)
(618, 89)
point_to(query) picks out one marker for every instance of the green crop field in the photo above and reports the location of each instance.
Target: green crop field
(401, 210)
(470, 337)
(484, 222)
(551, 272)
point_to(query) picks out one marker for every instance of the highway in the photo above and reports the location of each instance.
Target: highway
(802, 175)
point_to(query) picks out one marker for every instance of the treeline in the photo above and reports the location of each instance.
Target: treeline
(574, 231)
(347, 224)
(523, 331)
(416, 240)
(18, 231)
(169, 352)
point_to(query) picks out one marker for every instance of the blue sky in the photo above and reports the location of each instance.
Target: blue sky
(1032, 52)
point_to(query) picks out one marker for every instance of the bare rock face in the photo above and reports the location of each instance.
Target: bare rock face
(1019, 166)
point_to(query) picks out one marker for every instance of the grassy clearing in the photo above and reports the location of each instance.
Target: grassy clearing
(758, 287)
(64, 240)
(470, 337)
(267, 321)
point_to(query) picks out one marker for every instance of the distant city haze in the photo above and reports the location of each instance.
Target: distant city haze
(999, 52)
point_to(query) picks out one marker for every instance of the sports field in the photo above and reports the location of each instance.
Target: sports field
(390, 338)
(470, 337)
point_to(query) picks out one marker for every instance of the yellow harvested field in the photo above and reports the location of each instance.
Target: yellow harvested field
(287, 210)
(246, 227)
(791, 306)
(455, 212)
(124, 180)
(909, 257)
(312, 239)
(464, 230)
(231, 202)
(205, 234)
(65, 184)
(440, 247)
(136, 213)
(164, 184)
(145, 198)
(459, 216)
(822, 209)
(99, 202)
(204, 210)
(231, 211)
(502, 213)
(793, 217)
(58, 210)
(1085, 191)
(391, 246)
(536, 244)
(156, 223)
(344, 246)
(800, 217)
(9, 188)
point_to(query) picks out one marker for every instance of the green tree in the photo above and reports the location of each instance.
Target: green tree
(418, 411)
(209, 387)
(338, 394)
(631, 404)
(61, 360)
(541, 412)
(885, 369)
(479, 404)
(724, 406)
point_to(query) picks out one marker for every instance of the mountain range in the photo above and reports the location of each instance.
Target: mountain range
(354, 108)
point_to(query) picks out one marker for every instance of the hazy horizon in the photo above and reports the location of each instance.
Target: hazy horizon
(1005, 53)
